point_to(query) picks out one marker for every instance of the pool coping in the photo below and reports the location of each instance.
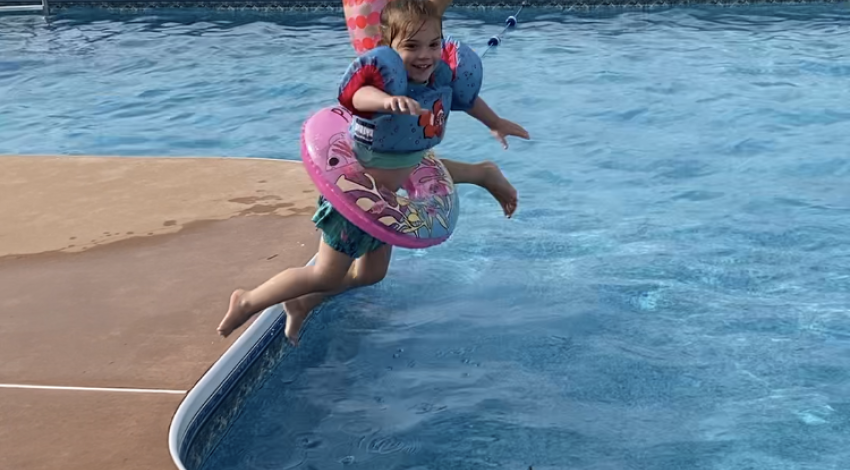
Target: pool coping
(204, 415)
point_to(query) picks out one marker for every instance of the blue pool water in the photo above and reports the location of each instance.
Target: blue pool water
(672, 294)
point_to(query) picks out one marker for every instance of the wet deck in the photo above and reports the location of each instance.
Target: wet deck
(115, 273)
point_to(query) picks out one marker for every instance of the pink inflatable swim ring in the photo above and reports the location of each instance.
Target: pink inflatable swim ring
(424, 217)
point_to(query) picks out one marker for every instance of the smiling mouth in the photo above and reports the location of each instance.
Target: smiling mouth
(422, 68)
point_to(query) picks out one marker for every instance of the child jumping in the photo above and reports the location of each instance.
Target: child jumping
(348, 257)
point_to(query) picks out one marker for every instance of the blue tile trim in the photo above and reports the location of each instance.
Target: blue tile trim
(328, 5)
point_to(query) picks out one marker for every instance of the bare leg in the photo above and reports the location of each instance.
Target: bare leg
(367, 270)
(326, 275)
(487, 175)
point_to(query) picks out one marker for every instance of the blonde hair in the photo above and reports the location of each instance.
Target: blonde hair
(404, 18)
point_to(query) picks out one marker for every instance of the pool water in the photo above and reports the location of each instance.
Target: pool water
(672, 293)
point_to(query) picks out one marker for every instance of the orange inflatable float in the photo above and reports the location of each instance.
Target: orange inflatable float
(363, 18)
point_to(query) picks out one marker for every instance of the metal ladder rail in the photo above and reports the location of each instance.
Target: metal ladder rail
(43, 7)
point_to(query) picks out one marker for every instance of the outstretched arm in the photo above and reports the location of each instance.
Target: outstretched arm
(481, 111)
(500, 128)
(376, 83)
(372, 100)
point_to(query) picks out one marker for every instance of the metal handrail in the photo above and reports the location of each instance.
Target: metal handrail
(42, 7)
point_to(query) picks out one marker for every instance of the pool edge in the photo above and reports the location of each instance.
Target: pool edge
(219, 384)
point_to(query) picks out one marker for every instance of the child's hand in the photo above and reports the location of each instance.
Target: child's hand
(402, 105)
(504, 128)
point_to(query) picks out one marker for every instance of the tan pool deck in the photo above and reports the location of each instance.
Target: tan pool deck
(114, 273)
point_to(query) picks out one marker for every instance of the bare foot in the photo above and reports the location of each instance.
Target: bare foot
(499, 186)
(296, 312)
(237, 314)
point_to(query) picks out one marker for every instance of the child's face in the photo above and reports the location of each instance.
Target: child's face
(421, 51)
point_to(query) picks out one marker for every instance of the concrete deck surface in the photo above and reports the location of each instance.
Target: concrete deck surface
(114, 273)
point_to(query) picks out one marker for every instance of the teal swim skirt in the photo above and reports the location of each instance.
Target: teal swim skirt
(342, 235)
